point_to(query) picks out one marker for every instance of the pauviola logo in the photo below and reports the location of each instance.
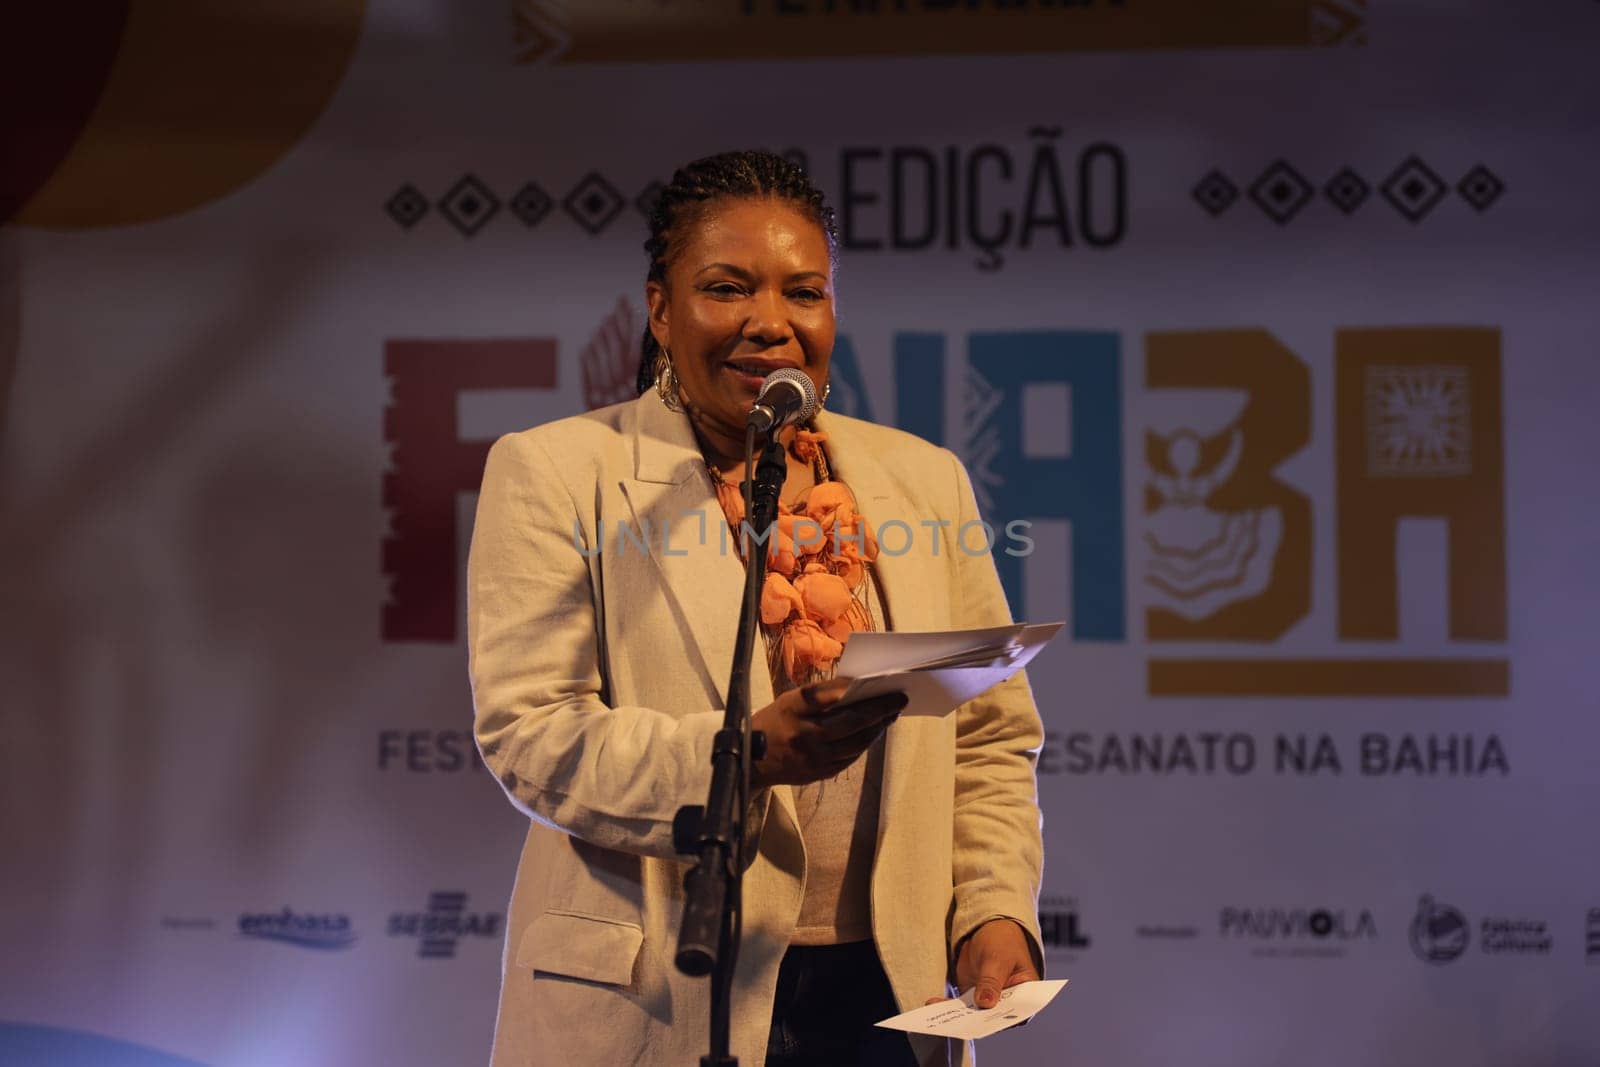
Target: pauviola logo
(306, 931)
(1439, 933)
(1298, 923)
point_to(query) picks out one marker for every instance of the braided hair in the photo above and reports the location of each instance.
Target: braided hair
(747, 175)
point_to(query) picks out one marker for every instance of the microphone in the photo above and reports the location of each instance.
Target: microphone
(786, 396)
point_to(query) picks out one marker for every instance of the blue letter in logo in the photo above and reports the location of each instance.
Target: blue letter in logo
(1084, 487)
(847, 394)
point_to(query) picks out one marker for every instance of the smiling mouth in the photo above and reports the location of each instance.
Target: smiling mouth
(753, 370)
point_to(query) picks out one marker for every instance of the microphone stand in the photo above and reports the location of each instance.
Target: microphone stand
(708, 940)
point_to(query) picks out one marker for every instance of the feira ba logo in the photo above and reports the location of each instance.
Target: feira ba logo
(1232, 486)
(305, 930)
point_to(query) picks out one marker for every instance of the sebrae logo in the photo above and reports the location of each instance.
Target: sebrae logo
(444, 924)
(330, 931)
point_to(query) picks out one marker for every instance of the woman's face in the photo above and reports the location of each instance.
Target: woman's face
(749, 290)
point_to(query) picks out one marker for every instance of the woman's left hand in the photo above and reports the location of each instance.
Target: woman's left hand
(995, 957)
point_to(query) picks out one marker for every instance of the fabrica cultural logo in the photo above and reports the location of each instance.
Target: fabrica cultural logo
(1518, 937)
(1439, 933)
(328, 931)
(444, 923)
(1298, 931)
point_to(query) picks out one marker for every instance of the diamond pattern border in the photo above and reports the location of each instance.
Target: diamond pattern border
(1414, 189)
(531, 204)
(593, 203)
(469, 205)
(1480, 187)
(406, 206)
(1347, 190)
(1215, 193)
(645, 202)
(1281, 192)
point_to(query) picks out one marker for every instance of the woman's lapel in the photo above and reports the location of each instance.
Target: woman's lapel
(676, 512)
(701, 573)
(700, 570)
(911, 582)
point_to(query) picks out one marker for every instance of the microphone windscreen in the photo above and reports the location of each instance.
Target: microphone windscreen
(800, 380)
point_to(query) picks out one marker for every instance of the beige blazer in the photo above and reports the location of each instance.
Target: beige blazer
(598, 674)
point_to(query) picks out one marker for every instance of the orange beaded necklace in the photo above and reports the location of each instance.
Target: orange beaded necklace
(817, 569)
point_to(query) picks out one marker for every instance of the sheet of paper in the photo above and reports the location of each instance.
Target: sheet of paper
(914, 663)
(963, 1020)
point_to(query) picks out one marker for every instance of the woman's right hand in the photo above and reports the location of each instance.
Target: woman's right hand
(811, 736)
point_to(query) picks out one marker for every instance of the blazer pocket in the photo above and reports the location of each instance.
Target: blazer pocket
(588, 947)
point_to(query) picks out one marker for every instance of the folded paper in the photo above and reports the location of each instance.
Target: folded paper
(939, 671)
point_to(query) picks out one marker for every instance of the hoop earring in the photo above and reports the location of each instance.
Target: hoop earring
(667, 382)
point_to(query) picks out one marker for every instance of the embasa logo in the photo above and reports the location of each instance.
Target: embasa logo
(444, 923)
(306, 931)
(1439, 933)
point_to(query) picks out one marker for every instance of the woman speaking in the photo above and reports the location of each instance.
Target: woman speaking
(890, 855)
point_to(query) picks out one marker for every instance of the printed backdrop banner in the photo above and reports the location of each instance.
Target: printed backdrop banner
(1275, 324)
